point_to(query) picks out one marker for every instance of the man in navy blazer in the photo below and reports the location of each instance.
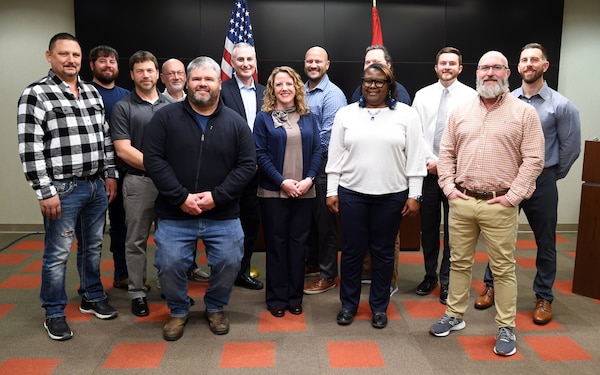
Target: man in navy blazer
(245, 96)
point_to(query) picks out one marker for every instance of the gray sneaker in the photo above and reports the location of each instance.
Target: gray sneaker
(447, 323)
(198, 275)
(505, 342)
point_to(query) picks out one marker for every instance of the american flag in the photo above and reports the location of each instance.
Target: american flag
(240, 30)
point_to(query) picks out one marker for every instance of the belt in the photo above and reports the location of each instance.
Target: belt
(92, 177)
(548, 169)
(483, 195)
(137, 173)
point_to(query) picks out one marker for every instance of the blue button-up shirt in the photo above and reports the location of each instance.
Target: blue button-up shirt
(324, 101)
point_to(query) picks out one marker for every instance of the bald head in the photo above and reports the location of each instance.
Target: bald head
(492, 75)
(497, 57)
(172, 75)
(316, 64)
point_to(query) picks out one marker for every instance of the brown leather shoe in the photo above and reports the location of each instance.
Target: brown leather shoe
(542, 314)
(319, 286)
(219, 324)
(173, 330)
(485, 299)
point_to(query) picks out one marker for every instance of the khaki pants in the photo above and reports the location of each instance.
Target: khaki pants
(498, 225)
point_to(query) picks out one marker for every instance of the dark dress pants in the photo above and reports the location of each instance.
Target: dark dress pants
(118, 231)
(250, 219)
(368, 222)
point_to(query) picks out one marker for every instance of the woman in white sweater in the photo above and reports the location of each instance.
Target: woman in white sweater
(374, 177)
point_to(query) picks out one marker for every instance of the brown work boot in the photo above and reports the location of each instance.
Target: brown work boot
(542, 314)
(319, 286)
(219, 324)
(173, 330)
(485, 299)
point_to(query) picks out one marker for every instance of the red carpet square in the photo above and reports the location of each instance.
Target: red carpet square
(289, 322)
(28, 245)
(202, 260)
(29, 366)
(524, 322)
(481, 348)
(12, 259)
(151, 240)
(107, 265)
(5, 308)
(159, 312)
(526, 245)
(478, 286)
(35, 266)
(561, 239)
(411, 258)
(358, 354)
(570, 253)
(557, 348)
(248, 355)
(127, 355)
(364, 312)
(481, 257)
(196, 289)
(425, 309)
(74, 315)
(22, 282)
(564, 286)
(526, 262)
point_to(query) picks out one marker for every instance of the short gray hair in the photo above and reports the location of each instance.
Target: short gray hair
(204, 62)
(242, 45)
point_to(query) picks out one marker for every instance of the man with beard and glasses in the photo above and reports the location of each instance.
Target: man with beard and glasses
(104, 64)
(200, 155)
(433, 104)
(491, 154)
(130, 119)
(562, 131)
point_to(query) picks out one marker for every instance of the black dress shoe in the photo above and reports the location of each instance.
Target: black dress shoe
(277, 312)
(379, 319)
(443, 294)
(248, 282)
(345, 317)
(295, 309)
(426, 287)
(139, 307)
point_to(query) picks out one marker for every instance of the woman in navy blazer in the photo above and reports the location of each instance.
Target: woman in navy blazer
(288, 153)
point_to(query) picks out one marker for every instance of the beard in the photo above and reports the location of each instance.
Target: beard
(203, 101)
(493, 91)
(534, 78)
(106, 78)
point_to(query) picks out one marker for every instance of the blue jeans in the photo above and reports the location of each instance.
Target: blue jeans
(83, 205)
(175, 245)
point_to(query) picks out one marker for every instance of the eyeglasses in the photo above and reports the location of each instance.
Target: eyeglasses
(495, 68)
(175, 74)
(368, 82)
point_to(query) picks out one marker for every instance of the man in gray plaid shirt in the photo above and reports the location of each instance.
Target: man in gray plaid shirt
(68, 159)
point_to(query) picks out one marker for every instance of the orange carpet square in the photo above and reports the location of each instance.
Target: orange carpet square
(289, 322)
(151, 240)
(526, 244)
(425, 309)
(202, 259)
(196, 289)
(357, 354)
(570, 253)
(29, 366)
(524, 322)
(564, 286)
(478, 286)
(74, 315)
(28, 245)
(5, 308)
(557, 348)
(159, 312)
(411, 258)
(12, 259)
(107, 265)
(248, 355)
(481, 257)
(22, 282)
(481, 348)
(200, 245)
(526, 262)
(127, 355)
(560, 238)
(35, 266)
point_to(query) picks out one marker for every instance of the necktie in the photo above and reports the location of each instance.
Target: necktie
(440, 124)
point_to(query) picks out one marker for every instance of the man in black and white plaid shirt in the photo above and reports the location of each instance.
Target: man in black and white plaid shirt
(68, 159)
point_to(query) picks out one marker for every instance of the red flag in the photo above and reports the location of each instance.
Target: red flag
(376, 35)
(239, 30)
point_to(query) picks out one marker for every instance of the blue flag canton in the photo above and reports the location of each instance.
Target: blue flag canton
(240, 28)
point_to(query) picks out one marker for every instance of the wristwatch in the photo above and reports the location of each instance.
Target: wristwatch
(418, 198)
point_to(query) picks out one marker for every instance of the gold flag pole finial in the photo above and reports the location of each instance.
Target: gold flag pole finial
(374, 3)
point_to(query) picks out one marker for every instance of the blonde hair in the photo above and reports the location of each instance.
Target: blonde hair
(270, 101)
